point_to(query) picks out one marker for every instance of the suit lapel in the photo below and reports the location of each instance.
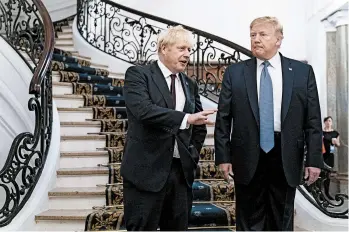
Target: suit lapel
(185, 86)
(160, 82)
(287, 85)
(250, 72)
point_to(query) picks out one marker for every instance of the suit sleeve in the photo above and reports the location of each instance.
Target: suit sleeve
(138, 102)
(199, 131)
(223, 122)
(312, 125)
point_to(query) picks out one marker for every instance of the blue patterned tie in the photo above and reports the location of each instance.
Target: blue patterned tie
(266, 110)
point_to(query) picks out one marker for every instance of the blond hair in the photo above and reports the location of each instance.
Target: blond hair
(174, 35)
(271, 20)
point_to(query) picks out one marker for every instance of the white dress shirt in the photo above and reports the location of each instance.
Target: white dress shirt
(275, 72)
(180, 99)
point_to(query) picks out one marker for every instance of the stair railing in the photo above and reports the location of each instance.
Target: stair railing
(131, 36)
(27, 27)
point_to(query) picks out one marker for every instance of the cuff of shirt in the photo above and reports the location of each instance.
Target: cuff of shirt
(184, 124)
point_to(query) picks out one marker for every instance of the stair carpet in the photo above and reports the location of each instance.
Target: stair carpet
(88, 193)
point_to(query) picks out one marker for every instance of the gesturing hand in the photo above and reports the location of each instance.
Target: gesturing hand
(312, 174)
(201, 118)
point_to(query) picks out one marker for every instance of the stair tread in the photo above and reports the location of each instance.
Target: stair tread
(83, 137)
(83, 171)
(86, 109)
(64, 38)
(77, 191)
(67, 214)
(57, 43)
(83, 123)
(69, 96)
(84, 154)
(64, 33)
(58, 83)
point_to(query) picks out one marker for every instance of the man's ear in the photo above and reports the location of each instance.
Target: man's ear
(279, 40)
(162, 49)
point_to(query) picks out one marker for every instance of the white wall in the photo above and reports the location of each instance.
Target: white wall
(15, 116)
(60, 9)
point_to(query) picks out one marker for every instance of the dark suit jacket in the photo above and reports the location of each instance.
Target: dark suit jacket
(300, 120)
(153, 124)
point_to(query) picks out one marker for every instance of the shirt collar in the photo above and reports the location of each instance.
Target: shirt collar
(275, 61)
(165, 71)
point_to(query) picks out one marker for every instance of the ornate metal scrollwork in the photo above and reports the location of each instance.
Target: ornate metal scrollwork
(332, 206)
(27, 27)
(132, 37)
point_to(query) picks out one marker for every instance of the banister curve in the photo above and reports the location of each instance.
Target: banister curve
(28, 29)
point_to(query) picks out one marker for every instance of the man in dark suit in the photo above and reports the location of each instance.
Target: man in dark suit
(166, 131)
(268, 108)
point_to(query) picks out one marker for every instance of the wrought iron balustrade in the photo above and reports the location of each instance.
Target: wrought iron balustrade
(131, 36)
(27, 27)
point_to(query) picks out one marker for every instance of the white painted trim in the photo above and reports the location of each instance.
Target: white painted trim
(339, 18)
(8, 127)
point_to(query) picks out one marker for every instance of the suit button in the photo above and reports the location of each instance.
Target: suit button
(171, 149)
(257, 145)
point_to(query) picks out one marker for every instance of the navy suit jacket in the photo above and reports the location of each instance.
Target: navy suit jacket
(300, 120)
(153, 125)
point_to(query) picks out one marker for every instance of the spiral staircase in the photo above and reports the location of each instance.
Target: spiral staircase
(88, 193)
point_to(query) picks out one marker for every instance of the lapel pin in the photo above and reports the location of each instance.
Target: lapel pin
(186, 83)
(290, 69)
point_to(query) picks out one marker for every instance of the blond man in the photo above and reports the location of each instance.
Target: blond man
(166, 130)
(268, 108)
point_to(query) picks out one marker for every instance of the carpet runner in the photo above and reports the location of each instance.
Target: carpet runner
(214, 205)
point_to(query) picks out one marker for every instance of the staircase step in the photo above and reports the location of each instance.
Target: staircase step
(74, 114)
(100, 66)
(56, 77)
(76, 198)
(68, 101)
(65, 35)
(92, 142)
(82, 177)
(80, 128)
(64, 42)
(66, 47)
(67, 29)
(77, 55)
(62, 220)
(83, 159)
(61, 88)
(74, 220)
(82, 142)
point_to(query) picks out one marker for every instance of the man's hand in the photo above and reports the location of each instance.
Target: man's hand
(312, 174)
(201, 118)
(226, 169)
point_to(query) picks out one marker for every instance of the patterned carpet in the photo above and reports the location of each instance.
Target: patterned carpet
(214, 206)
